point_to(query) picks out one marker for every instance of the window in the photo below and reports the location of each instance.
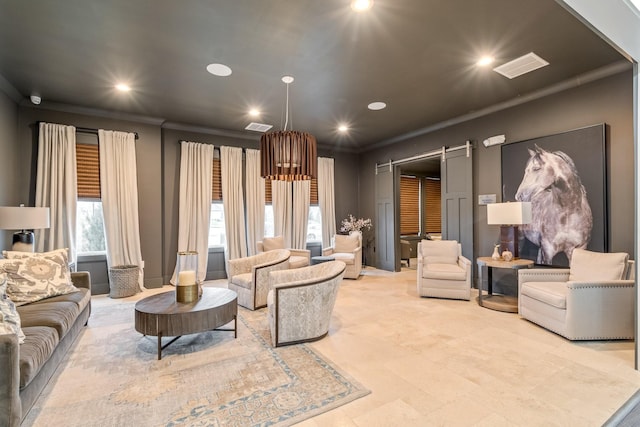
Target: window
(90, 224)
(217, 234)
(90, 228)
(314, 222)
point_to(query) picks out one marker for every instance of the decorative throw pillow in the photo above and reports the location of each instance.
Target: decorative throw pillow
(35, 276)
(593, 266)
(272, 243)
(9, 318)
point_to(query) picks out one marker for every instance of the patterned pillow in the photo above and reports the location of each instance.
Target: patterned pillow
(272, 243)
(9, 318)
(35, 276)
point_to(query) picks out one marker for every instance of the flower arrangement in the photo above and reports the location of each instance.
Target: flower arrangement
(352, 224)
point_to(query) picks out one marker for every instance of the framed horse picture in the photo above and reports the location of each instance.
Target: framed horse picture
(564, 176)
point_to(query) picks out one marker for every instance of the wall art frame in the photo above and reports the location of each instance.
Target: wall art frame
(558, 174)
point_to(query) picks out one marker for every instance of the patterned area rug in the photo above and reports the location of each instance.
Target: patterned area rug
(112, 377)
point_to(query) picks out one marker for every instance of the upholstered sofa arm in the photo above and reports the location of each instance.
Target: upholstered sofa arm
(81, 279)
(464, 262)
(301, 252)
(601, 310)
(10, 406)
(582, 285)
(543, 275)
(240, 266)
(327, 251)
(261, 278)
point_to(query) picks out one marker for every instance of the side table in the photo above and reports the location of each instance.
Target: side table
(496, 301)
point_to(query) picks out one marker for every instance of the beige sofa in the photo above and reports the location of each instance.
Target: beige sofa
(50, 326)
(594, 299)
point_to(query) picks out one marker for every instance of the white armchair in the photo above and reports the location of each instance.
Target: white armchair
(301, 301)
(249, 276)
(442, 270)
(299, 257)
(347, 249)
(591, 300)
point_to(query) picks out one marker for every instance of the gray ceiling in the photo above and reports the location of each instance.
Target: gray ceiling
(416, 55)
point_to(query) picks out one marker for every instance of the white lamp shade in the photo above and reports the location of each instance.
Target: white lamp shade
(23, 218)
(510, 213)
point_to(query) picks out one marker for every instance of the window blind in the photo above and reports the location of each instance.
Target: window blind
(409, 205)
(432, 207)
(88, 171)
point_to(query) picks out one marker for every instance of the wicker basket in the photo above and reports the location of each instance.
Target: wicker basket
(123, 281)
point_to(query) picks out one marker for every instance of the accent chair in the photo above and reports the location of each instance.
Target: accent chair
(249, 276)
(347, 249)
(442, 270)
(299, 257)
(405, 251)
(591, 300)
(301, 301)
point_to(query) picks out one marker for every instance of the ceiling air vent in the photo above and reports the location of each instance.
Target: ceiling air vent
(258, 127)
(519, 66)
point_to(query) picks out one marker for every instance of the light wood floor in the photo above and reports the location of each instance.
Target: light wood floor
(436, 362)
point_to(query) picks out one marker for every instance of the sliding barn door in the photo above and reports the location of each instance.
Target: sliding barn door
(457, 199)
(387, 242)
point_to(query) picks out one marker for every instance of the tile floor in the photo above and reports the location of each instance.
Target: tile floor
(435, 362)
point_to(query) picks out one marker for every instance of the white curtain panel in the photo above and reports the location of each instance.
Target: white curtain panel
(119, 192)
(56, 187)
(281, 199)
(255, 200)
(301, 200)
(233, 202)
(326, 199)
(194, 208)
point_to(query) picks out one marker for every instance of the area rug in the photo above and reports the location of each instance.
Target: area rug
(112, 377)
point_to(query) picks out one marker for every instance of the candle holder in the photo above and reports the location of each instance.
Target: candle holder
(187, 284)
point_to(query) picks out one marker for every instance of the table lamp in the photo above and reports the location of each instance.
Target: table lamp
(24, 219)
(509, 216)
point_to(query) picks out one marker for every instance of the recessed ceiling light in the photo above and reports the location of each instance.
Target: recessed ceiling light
(343, 128)
(361, 5)
(484, 61)
(254, 112)
(376, 106)
(123, 87)
(219, 70)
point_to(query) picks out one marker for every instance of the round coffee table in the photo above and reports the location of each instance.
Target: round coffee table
(160, 315)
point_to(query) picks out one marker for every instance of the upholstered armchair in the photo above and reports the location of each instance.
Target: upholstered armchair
(299, 257)
(249, 276)
(442, 270)
(591, 300)
(301, 301)
(347, 249)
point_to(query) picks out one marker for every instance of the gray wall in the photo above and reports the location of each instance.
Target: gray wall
(9, 147)
(604, 101)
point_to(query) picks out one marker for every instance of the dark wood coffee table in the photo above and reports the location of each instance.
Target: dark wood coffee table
(160, 315)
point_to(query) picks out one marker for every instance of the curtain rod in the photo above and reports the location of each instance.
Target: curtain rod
(95, 131)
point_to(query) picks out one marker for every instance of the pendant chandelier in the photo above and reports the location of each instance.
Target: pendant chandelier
(288, 155)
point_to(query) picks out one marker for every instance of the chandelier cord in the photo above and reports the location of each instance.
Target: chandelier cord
(286, 112)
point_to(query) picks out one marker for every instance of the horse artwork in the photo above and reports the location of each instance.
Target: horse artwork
(562, 217)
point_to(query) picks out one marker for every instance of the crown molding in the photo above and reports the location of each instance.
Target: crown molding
(10, 90)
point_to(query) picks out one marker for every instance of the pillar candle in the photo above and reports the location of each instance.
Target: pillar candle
(186, 278)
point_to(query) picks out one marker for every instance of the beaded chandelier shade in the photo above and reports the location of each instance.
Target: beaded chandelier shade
(288, 155)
